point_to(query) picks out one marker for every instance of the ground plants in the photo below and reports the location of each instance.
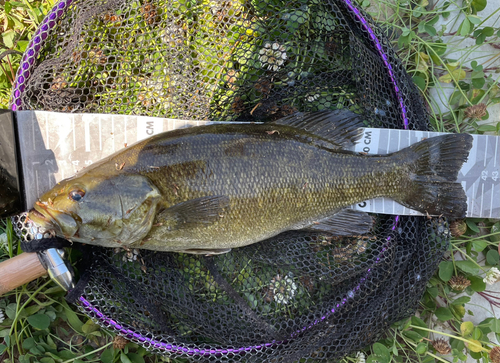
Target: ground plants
(450, 49)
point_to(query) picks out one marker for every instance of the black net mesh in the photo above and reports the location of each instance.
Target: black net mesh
(299, 296)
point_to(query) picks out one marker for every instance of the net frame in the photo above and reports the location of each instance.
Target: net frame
(410, 107)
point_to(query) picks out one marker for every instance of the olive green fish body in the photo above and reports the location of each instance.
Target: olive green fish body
(223, 186)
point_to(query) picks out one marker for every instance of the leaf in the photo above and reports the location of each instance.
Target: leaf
(39, 321)
(446, 270)
(477, 334)
(461, 300)
(429, 29)
(472, 225)
(456, 97)
(495, 229)
(443, 314)
(479, 245)
(433, 291)
(420, 82)
(3, 348)
(492, 257)
(124, 358)
(478, 82)
(421, 348)
(474, 19)
(108, 356)
(135, 358)
(11, 311)
(495, 325)
(459, 310)
(488, 30)
(73, 319)
(477, 95)
(29, 343)
(412, 335)
(478, 4)
(89, 327)
(475, 346)
(468, 267)
(477, 284)
(466, 328)
(381, 353)
(8, 38)
(419, 322)
(456, 75)
(464, 28)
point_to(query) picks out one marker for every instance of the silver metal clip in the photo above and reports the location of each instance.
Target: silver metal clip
(53, 259)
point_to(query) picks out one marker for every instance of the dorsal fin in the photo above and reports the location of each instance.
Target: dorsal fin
(340, 127)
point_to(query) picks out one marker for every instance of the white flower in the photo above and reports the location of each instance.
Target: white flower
(284, 289)
(492, 276)
(360, 357)
(2, 317)
(312, 98)
(272, 56)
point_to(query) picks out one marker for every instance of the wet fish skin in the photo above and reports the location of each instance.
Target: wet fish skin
(216, 187)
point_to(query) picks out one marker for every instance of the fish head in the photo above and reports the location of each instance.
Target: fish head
(107, 211)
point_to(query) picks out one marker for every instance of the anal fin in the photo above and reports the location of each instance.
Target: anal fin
(206, 252)
(347, 222)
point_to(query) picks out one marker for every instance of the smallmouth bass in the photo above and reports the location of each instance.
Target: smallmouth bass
(211, 188)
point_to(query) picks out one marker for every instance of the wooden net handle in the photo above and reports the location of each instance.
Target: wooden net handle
(19, 270)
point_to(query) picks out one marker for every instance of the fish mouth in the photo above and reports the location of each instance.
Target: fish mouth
(41, 216)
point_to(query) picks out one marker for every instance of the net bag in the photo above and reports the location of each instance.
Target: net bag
(298, 296)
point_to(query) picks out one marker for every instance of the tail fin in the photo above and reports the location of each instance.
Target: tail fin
(434, 164)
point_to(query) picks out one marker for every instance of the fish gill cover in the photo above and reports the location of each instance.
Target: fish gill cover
(302, 295)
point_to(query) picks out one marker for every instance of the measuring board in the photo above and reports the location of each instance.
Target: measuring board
(54, 146)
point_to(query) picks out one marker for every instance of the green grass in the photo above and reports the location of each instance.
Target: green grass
(457, 74)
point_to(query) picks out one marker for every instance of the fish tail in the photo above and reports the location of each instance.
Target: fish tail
(433, 166)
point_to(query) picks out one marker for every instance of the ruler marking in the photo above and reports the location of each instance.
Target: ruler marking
(46, 130)
(113, 131)
(100, 134)
(491, 201)
(472, 199)
(33, 122)
(496, 151)
(74, 136)
(388, 141)
(125, 128)
(36, 182)
(86, 124)
(482, 195)
(485, 151)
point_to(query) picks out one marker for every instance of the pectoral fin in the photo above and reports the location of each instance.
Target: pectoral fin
(347, 222)
(199, 210)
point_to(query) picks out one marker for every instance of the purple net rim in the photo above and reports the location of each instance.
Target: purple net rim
(33, 49)
(23, 73)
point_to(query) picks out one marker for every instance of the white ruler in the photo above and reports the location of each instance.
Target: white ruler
(55, 146)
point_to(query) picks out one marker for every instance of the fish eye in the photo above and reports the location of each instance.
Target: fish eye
(76, 194)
